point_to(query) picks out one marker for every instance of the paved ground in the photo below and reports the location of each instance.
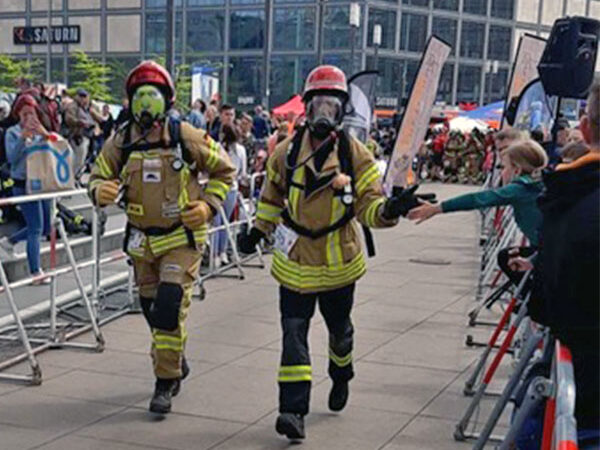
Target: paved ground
(410, 364)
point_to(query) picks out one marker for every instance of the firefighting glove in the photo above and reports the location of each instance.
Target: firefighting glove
(197, 214)
(107, 192)
(247, 242)
(401, 201)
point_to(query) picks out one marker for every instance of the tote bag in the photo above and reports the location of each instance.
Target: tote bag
(50, 165)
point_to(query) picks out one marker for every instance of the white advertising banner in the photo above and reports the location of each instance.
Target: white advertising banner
(418, 113)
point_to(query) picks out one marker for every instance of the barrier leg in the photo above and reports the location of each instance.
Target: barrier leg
(530, 347)
(81, 286)
(493, 338)
(488, 302)
(460, 432)
(236, 256)
(537, 392)
(248, 218)
(36, 373)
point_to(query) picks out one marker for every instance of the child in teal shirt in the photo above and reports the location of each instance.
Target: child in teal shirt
(522, 164)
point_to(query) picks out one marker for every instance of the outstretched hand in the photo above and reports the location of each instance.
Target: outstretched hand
(520, 264)
(423, 212)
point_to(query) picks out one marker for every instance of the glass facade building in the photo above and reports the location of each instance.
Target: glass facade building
(242, 39)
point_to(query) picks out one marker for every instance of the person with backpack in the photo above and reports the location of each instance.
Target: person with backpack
(318, 181)
(80, 120)
(152, 162)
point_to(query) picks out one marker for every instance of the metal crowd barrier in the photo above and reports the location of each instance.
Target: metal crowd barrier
(90, 297)
(55, 339)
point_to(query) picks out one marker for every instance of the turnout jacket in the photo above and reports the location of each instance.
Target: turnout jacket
(155, 192)
(336, 259)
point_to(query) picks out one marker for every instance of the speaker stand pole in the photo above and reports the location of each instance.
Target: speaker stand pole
(555, 129)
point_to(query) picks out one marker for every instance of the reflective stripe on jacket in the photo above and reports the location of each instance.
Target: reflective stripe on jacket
(334, 260)
(155, 192)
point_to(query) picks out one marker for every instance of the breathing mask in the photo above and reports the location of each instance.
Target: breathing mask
(148, 105)
(323, 114)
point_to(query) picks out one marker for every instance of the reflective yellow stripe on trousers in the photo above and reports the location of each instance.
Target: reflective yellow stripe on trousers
(292, 374)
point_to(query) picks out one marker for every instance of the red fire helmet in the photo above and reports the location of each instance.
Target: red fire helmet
(328, 80)
(150, 72)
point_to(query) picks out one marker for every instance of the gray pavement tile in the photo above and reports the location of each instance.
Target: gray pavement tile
(442, 293)
(122, 339)
(197, 349)
(17, 438)
(84, 359)
(354, 428)
(52, 415)
(392, 388)
(452, 405)
(237, 394)
(86, 443)
(175, 431)
(443, 324)
(47, 366)
(425, 433)
(237, 330)
(129, 323)
(107, 388)
(385, 279)
(422, 349)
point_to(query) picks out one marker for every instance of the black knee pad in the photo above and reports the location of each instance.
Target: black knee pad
(146, 304)
(165, 310)
(342, 344)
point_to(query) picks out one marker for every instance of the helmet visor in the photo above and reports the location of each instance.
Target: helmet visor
(148, 103)
(328, 107)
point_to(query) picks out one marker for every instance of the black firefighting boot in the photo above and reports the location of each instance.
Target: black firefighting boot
(161, 400)
(185, 371)
(291, 425)
(338, 397)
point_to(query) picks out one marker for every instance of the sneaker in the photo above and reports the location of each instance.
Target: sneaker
(338, 397)
(291, 425)
(224, 258)
(163, 392)
(217, 262)
(40, 278)
(7, 246)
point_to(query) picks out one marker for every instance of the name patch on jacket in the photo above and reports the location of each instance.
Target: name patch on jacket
(152, 171)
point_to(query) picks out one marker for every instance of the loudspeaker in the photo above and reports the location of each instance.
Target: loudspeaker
(567, 65)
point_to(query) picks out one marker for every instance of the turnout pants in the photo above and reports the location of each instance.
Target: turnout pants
(165, 285)
(295, 372)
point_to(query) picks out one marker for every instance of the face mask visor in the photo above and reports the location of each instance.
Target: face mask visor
(148, 105)
(324, 114)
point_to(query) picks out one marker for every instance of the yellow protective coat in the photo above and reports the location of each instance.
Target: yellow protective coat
(156, 195)
(334, 260)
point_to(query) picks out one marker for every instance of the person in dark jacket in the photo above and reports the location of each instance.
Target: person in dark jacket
(566, 294)
(260, 127)
(124, 114)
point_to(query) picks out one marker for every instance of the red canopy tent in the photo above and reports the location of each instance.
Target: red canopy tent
(293, 105)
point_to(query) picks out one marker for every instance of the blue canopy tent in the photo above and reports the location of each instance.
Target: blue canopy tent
(492, 113)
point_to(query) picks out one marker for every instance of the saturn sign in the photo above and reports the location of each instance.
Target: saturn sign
(60, 34)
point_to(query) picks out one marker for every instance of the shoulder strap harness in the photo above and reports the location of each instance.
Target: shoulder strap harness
(346, 167)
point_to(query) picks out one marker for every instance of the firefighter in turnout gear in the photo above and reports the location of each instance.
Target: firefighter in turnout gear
(153, 162)
(318, 182)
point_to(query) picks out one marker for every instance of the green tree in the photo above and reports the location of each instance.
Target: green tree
(12, 68)
(183, 86)
(91, 75)
(183, 83)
